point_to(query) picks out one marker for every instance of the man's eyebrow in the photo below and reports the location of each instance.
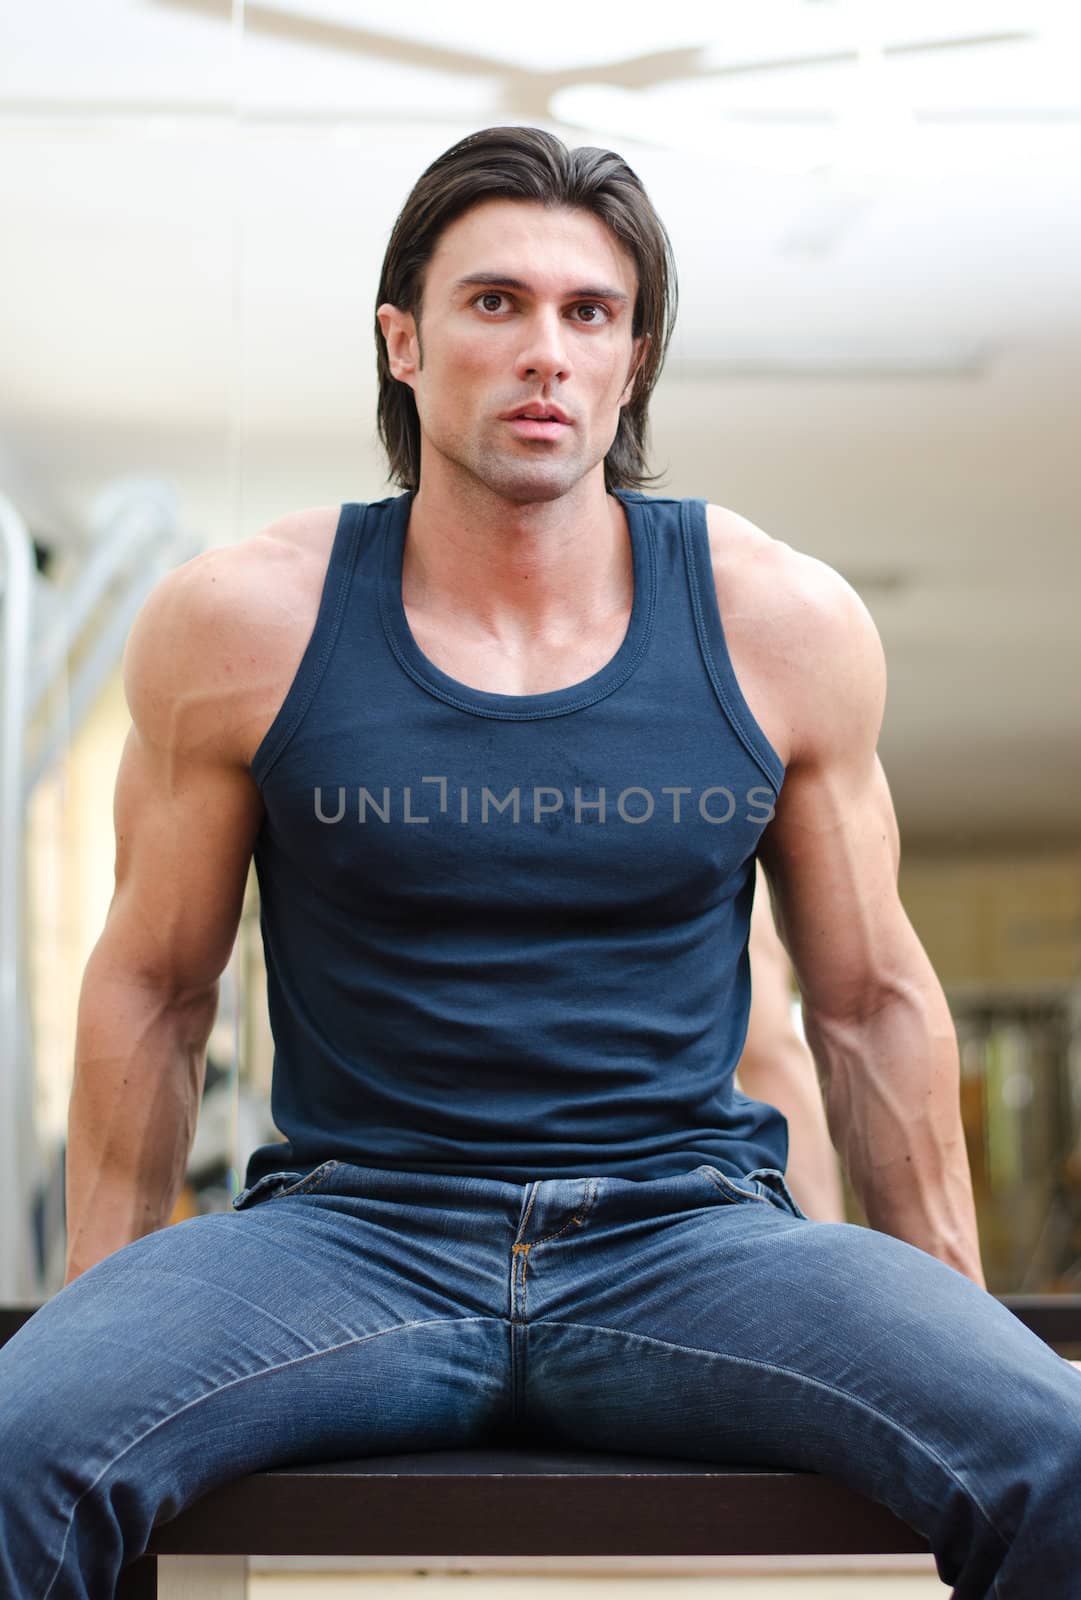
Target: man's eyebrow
(503, 280)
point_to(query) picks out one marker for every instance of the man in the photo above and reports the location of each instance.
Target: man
(506, 748)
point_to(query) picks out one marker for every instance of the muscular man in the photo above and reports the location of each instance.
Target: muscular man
(505, 747)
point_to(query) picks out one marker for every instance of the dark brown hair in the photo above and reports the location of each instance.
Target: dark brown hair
(516, 163)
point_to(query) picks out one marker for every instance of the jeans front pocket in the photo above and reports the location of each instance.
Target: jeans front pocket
(730, 1189)
(764, 1183)
(772, 1180)
(275, 1185)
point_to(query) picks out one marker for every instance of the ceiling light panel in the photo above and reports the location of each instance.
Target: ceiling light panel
(564, 34)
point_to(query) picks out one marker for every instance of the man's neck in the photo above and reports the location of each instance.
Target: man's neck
(517, 572)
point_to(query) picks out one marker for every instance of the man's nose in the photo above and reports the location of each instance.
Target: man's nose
(544, 350)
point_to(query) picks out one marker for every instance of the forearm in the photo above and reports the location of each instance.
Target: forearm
(892, 1097)
(140, 1062)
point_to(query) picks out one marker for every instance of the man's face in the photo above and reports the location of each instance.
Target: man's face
(560, 335)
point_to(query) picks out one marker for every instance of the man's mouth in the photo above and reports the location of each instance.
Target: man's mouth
(537, 427)
(537, 411)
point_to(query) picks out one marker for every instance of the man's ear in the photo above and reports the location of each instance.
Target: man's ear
(402, 341)
(641, 345)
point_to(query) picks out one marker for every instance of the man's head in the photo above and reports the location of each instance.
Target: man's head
(453, 357)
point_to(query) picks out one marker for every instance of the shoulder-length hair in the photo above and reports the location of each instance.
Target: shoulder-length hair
(519, 163)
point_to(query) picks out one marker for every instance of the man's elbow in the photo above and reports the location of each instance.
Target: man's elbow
(896, 977)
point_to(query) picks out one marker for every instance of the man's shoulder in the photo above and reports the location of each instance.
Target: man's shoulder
(240, 582)
(294, 539)
(795, 625)
(229, 625)
(770, 573)
(791, 597)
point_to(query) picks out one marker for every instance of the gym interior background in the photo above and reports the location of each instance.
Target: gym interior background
(874, 213)
(876, 359)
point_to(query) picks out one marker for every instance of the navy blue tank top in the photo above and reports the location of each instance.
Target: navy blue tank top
(506, 935)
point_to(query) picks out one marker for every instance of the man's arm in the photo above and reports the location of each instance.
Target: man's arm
(875, 1014)
(186, 813)
(777, 1067)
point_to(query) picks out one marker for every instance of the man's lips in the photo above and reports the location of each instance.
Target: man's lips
(536, 411)
(537, 419)
(533, 428)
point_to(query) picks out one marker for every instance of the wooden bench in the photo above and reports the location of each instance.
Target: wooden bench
(524, 1501)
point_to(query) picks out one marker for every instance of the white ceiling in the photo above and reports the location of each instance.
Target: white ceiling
(878, 352)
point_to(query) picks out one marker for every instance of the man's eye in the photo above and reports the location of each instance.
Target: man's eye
(585, 305)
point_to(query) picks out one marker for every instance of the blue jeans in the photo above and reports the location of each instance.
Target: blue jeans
(354, 1311)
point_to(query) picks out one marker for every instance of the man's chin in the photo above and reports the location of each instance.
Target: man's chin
(528, 483)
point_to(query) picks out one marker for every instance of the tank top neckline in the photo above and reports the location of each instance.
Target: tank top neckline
(554, 702)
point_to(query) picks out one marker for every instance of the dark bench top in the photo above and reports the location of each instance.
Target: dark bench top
(521, 1500)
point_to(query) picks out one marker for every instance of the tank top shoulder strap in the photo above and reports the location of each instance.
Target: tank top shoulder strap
(317, 653)
(683, 538)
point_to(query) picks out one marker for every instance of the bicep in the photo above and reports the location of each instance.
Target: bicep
(186, 809)
(831, 850)
(832, 857)
(185, 830)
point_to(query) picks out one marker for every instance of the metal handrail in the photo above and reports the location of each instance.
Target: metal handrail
(16, 1151)
(138, 540)
(134, 522)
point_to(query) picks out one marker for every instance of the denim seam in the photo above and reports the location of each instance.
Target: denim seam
(728, 1185)
(312, 1181)
(519, 1307)
(225, 1289)
(520, 1249)
(528, 1210)
(579, 1216)
(517, 1320)
(233, 1382)
(791, 1372)
(305, 1185)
